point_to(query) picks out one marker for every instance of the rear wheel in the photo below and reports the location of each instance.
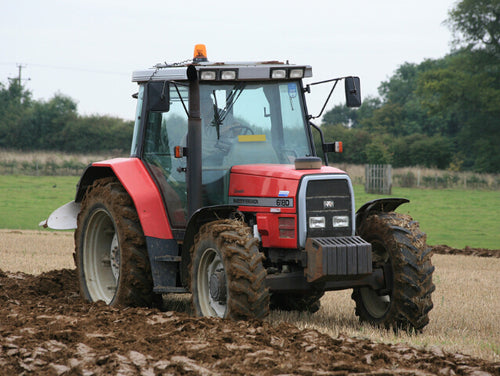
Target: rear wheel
(227, 275)
(110, 250)
(400, 248)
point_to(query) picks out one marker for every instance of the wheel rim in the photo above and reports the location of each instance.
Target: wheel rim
(101, 257)
(377, 305)
(211, 284)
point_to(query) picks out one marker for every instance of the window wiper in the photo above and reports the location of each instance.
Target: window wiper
(220, 115)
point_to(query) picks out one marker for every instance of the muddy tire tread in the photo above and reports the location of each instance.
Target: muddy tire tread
(412, 271)
(135, 287)
(248, 295)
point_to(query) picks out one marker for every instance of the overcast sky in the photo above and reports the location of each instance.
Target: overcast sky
(87, 49)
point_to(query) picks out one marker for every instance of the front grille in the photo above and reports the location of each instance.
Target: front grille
(320, 193)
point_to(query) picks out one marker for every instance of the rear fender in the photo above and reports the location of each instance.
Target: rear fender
(137, 181)
(376, 206)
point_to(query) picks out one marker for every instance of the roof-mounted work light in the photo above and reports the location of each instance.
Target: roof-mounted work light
(208, 75)
(297, 73)
(228, 75)
(278, 73)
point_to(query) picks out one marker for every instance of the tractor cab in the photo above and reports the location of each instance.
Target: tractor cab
(240, 114)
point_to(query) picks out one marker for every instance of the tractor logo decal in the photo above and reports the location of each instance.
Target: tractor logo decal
(279, 202)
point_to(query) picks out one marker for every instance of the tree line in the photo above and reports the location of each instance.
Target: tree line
(442, 113)
(27, 124)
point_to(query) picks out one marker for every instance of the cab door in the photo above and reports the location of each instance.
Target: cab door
(163, 131)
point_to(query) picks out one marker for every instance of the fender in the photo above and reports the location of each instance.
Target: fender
(199, 218)
(379, 205)
(136, 180)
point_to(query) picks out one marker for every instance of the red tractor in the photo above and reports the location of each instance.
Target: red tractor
(223, 196)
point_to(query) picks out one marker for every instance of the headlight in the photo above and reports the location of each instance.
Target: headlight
(316, 222)
(341, 221)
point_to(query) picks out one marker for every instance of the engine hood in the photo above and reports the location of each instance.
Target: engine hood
(270, 180)
(281, 171)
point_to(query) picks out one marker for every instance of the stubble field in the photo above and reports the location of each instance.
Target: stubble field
(46, 329)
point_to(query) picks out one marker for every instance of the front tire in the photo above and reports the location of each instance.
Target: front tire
(400, 248)
(227, 275)
(110, 251)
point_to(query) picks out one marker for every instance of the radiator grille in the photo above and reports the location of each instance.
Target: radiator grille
(319, 197)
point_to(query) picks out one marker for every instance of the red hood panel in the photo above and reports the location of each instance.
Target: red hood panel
(281, 171)
(270, 180)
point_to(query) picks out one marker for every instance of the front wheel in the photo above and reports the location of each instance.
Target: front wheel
(399, 247)
(227, 275)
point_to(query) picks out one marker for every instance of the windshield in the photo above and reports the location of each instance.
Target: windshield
(246, 123)
(242, 123)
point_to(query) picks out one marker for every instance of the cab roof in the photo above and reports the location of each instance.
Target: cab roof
(244, 71)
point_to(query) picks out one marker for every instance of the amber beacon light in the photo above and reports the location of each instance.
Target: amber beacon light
(200, 53)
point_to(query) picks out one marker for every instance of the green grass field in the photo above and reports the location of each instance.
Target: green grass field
(455, 217)
(450, 216)
(27, 200)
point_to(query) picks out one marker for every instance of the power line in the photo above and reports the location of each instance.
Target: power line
(79, 69)
(69, 68)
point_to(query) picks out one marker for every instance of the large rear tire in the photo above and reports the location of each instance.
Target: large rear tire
(400, 247)
(227, 275)
(110, 250)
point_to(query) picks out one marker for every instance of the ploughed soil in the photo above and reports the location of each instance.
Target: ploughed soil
(467, 251)
(46, 329)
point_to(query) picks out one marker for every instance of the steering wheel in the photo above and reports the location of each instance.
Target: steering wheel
(238, 129)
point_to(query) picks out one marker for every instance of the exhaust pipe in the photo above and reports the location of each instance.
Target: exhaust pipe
(194, 143)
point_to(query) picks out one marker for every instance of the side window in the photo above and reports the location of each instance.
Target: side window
(294, 127)
(164, 131)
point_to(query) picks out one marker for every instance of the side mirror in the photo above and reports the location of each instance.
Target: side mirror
(158, 98)
(352, 91)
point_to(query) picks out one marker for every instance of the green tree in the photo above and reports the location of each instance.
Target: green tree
(476, 25)
(467, 91)
(47, 121)
(55, 124)
(15, 106)
(350, 117)
(377, 152)
(340, 114)
(97, 133)
(354, 143)
(386, 119)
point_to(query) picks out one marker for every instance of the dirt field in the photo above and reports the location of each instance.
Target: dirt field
(46, 329)
(467, 251)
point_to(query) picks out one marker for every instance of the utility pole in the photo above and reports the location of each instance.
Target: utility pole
(19, 78)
